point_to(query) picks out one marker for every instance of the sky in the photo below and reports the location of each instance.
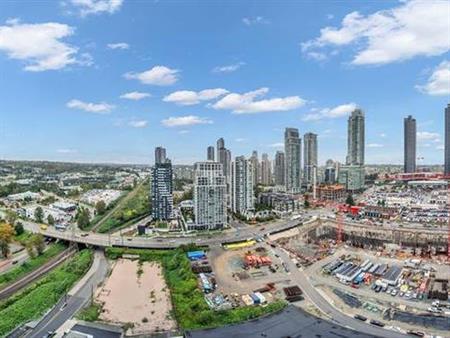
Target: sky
(109, 80)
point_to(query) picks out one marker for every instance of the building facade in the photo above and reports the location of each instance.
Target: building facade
(162, 186)
(356, 138)
(352, 177)
(293, 163)
(210, 153)
(255, 163)
(160, 155)
(210, 190)
(310, 158)
(279, 168)
(410, 132)
(447, 141)
(242, 186)
(266, 170)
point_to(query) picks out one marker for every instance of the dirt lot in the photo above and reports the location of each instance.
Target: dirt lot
(232, 278)
(137, 294)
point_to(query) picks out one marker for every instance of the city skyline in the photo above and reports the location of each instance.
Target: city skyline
(131, 91)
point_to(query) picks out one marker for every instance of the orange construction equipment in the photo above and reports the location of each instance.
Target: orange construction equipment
(254, 261)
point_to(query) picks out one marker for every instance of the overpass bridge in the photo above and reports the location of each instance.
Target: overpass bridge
(314, 227)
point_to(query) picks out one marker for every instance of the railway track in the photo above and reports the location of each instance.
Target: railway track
(36, 274)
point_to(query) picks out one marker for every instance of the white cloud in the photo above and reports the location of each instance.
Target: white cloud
(413, 28)
(375, 145)
(158, 76)
(440, 147)
(428, 136)
(331, 113)
(66, 151)
(383, 135)
(188, 97)
(136, 96)
(228, 68)
(439, 81)
(277, 145)
(87, 7)
(183, 121)
(246, 104)
(183, 132)
(98, 108)
(250, 21)
(240, 140)
(39, 45)
(138, 123)
(118, 45)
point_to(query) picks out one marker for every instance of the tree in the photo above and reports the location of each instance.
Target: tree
(306, 203)
(11, 216)
(39, 215)
(83, 218)
(100, 207)
(350, 200)
(30, 249)
(50, 220)
(6, 237)
(39, 243)
(18, 228)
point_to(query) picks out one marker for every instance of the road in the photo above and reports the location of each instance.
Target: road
(329, 310)
(70, 305)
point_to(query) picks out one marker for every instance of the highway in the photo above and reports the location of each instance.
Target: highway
(71, 304)
(329, 310)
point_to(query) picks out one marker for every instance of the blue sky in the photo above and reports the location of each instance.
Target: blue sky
(108, 80)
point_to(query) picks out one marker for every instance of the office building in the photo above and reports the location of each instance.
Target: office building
(210, 189)
(447, 141)
(310, 158)
(161, 186)
(210, 153)
(266, 170)
(293, 163)
(160, 155)
(355, 138)
(330, 175)
(352, 177)
(410, 131)
(242, 187)
(279, 168)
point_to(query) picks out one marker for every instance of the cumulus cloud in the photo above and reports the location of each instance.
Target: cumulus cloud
(135, 96)
(188, 97)
(158, 76)
(183, 121)
(88, 7)
(40, 46)
(330, 113)
(375, 145)
(257, 20)
(138, 123)
(118, 45)
(277, 145)
(247, 104)
(413, 28)
(428, 136)
(439, 81)
(228, 68)
(98, 108)
(66, 151)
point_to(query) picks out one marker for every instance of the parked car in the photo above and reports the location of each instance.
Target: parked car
(377, 323)
(359, 317)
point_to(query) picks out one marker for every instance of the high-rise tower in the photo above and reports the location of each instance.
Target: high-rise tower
(293, 154)
(355, 138)
(409, 125)
(310, 157)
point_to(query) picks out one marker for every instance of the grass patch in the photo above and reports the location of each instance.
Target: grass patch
(135, 207)
(90, 313)
(190, 308)
(35, 300)
(31, 264)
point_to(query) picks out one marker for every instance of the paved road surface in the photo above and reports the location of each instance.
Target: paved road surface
(324, 306)
(67, 308)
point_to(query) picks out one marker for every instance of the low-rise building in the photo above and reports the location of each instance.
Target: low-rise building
(331, 192)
